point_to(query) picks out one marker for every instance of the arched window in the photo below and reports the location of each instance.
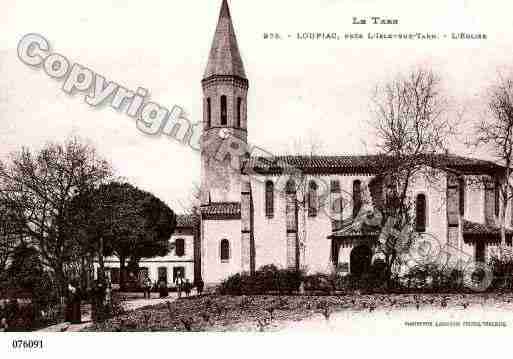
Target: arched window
(480, 252)
(335, 186)
(497, 199)
(312, 199)
(224, 112)
(357, 197)
(291, 205)
(239, 112)
(420, 213)
(225, 250)
(336, 205)
(209, 113)
(461, 185)
(269, 199)
(290, 187)
(180, 247)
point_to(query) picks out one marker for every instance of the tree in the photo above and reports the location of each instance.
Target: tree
(35, 187)
(122, 220)
(309, 148)
(495, 134)
(9, 237)
(411, 126)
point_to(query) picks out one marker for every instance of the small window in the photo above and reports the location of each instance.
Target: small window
(209, 113)
(239, 112)
(312, 199)
(178, 272)
(461, 185)
(269, 199)
(357, 197)
(114, 275)
(224, 112)
(180, 247)
(162, 275)
(420, 213)
(225, 250)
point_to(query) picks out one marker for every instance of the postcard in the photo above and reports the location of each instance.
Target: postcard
(254, 168)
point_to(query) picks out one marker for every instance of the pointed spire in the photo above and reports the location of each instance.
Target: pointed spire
(224, 56)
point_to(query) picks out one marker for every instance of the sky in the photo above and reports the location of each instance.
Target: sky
(299, 89)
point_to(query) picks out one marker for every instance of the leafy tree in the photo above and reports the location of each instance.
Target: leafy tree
(122, 220)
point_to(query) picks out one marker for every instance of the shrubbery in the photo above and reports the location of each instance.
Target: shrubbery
(372, 281)
(321, 283)
(268, 279)
(271, 280)
(502, 272)
(434, 278)
(26, 278)
(422, 278)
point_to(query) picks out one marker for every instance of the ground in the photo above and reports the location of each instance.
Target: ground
(131, 302)
(351, 314)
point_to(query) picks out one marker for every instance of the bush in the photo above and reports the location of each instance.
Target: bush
(268, 279)
(502, 272)
(26, 273)
(115, 307)
(434, 278)
(320, 282)
(20, 317)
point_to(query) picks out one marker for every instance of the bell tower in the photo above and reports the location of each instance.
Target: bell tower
(225, 89)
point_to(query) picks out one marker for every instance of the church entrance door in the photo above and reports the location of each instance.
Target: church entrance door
(361, 258)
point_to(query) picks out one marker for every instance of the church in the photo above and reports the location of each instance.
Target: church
(298, 212)
(256, 212)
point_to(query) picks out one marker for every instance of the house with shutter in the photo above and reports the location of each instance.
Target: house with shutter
(180, 261)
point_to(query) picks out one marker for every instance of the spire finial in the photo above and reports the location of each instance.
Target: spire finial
(225, 10)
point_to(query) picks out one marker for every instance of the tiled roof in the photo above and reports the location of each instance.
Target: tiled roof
(472, 231)
(369, 164)
(184, 221)
(221, 210)
(487, 232)
(350, 228)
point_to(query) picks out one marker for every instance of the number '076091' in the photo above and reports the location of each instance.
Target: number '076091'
(27, 344)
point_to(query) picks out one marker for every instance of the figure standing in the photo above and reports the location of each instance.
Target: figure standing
(74, 302)
(4, 327)
(3, 317)
(199, 286)
(98, 298)
(179, 285)
(147, 286)
(163, 288)
(187, 287)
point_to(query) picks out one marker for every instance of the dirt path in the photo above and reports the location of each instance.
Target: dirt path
(129, 305)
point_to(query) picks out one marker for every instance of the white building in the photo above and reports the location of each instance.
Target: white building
(179, 261)
(253, 214)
